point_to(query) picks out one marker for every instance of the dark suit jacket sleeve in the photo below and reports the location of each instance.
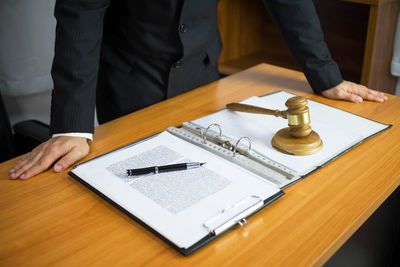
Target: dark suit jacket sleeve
(299, 25)
(75, 66)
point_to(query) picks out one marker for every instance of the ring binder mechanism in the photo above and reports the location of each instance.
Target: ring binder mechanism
(208, 128)
(237, 152)
(233, 215)
(238, 142)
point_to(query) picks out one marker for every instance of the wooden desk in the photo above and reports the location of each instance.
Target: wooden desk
(54, 220)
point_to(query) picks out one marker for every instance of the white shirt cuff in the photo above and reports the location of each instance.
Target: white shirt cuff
(88, 136)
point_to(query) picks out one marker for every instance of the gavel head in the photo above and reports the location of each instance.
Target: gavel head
(298, 116)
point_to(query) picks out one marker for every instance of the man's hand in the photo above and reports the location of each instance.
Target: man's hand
(65, 149)
(354, 93)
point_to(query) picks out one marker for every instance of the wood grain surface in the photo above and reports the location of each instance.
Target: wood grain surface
(54, 220)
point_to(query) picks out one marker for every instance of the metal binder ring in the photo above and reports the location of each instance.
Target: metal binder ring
(208, 128)
(237, 144)
(202, 135)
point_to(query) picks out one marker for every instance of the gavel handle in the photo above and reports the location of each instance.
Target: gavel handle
(256, 110)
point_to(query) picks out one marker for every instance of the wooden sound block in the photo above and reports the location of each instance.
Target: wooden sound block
(300, 146)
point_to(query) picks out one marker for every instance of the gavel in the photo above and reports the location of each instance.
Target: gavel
(297, 114)
(298, 138)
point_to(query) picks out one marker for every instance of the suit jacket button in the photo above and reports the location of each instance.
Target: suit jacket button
(177, 64)
(182, 28)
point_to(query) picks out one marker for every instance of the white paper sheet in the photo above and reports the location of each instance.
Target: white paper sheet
(339, 130)
(175, 204)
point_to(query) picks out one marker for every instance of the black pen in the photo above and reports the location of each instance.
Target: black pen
(165, 168)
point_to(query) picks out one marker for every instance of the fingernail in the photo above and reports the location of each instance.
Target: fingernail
(12, 176)
(11, 171)
(359, 99)
(58, 168)
(22, 176)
